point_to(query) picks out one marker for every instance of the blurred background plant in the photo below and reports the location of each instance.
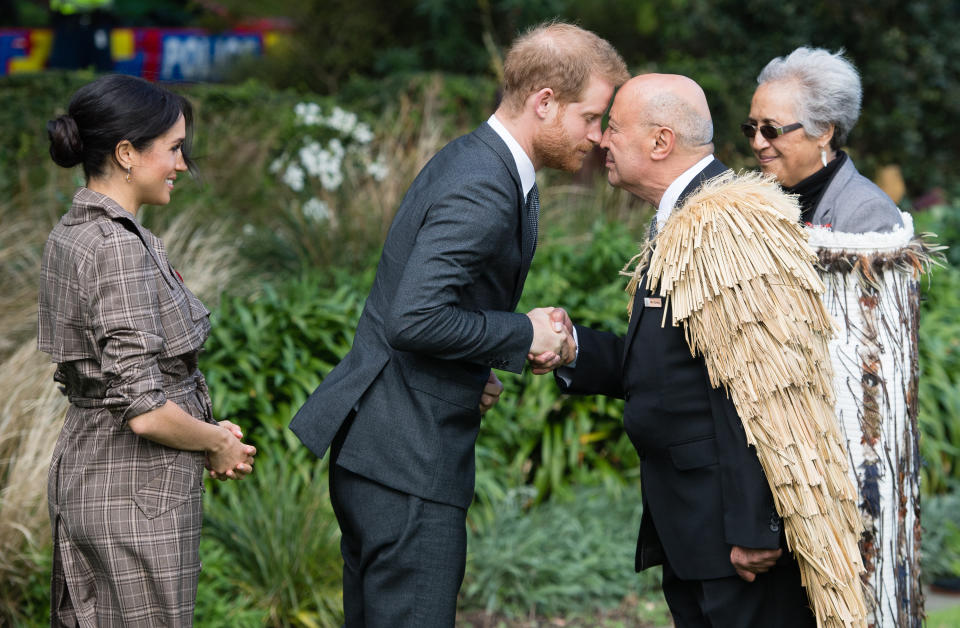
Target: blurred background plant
(358, 99)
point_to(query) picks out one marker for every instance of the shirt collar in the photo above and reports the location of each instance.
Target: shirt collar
(87, 205)
(528, 176)
(676, 188)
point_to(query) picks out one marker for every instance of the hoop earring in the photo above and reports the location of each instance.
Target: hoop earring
(130, 170)
(823, 158)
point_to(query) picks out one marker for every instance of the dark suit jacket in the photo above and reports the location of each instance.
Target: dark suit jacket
(439, 316)
(703, 487)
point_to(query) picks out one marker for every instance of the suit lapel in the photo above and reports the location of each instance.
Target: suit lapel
(713, 169)
(489, 137)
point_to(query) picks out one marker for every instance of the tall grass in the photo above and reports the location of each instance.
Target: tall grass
(278, 528)
(30, 420)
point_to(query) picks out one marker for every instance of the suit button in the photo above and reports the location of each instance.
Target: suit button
(774, 522)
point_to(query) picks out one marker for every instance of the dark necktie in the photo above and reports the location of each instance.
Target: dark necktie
(532, 208)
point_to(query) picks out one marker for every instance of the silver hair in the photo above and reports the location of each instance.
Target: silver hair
(830, 90)
(692, 129)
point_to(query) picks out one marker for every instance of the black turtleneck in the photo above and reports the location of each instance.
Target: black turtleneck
(811, 189)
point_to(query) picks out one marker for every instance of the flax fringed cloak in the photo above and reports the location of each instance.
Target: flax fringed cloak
(873, 292)
(737, 273)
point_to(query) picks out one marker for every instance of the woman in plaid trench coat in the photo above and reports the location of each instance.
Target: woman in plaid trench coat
(126, 477)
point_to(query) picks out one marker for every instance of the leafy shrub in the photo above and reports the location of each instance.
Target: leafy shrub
(939, 347)
(267, 353)
(564, 556)
(220, 602)
(941, 536)
(939, 394)
(280, 537)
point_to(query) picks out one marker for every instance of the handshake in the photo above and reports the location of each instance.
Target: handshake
(553, 346)
(553, 343)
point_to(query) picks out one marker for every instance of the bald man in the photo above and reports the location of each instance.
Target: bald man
(708, 514)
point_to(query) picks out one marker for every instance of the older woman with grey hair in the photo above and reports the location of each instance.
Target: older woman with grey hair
(801, 113)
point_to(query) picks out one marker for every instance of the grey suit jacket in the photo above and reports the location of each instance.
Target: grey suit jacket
(438, 317)
(852, 203)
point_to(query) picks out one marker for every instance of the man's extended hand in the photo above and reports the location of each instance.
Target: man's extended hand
(550, 360)
(548, 335)
(491, 393)
(750, 562)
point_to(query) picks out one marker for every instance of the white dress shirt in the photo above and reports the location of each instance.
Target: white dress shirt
(673, 191)
(528, 176)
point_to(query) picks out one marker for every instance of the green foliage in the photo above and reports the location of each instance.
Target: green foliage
(27, 604)
(461, 102)
(220, 602)
(904, 51)
(534, 434)
(565, 556)
(944, 618)
(939, 347)
(280, 538)
(268, 352)
(941, 535)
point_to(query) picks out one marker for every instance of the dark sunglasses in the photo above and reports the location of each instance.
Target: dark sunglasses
(768, 130)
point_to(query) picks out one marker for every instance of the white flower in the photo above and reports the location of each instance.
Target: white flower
(331, 179)
(336, 149)
(308, 113)
(362, 134)
(312, 156)
(277, 164)
(378, 169)
(342, 121)
(249, 230)
(316, 210)
(323, 163)
(294, 177)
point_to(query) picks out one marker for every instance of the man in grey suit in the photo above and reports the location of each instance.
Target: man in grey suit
(401, 412)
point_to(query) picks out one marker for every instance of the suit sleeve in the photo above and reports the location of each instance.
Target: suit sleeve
(598, 370)
(749, 516)
(462, 231)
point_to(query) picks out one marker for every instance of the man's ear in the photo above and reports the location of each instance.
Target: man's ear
(542, 101)
(664, 139)
(126, 155)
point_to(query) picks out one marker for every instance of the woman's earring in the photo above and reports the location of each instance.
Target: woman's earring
(823, 158)
(130, 168)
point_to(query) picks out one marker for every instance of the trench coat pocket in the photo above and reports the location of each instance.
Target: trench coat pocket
(694, 454)
(170, 488)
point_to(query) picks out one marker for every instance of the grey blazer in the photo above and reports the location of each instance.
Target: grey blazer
(852, 203)
(438, 317)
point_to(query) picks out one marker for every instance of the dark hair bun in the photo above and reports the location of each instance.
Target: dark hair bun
(66, 147)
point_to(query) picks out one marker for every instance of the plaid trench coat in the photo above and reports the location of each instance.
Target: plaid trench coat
(125, 333)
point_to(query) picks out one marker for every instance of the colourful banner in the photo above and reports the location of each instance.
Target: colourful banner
(156, 54)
